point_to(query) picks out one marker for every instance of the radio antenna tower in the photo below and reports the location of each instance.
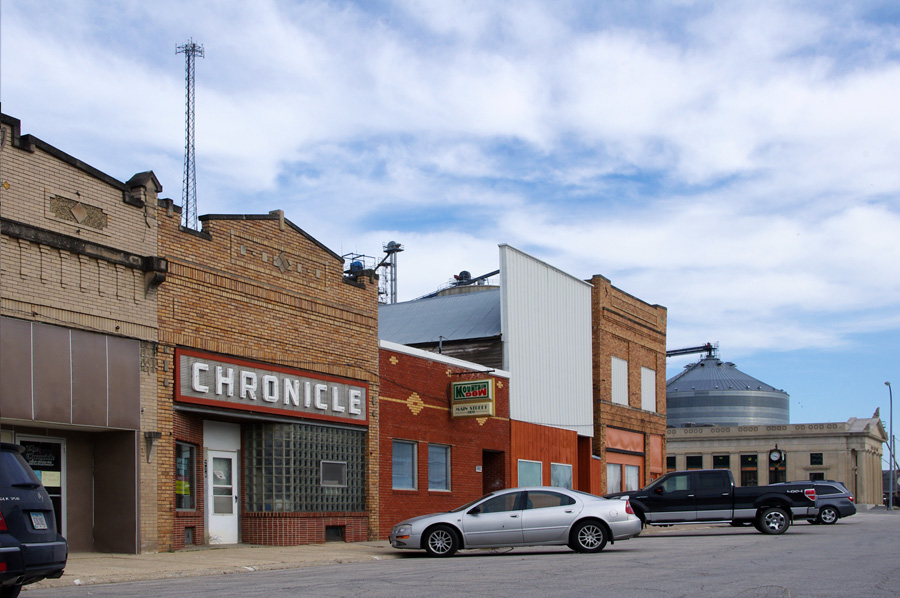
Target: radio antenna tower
(189, 183)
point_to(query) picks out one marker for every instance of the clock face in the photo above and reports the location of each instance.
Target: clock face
(775, 455)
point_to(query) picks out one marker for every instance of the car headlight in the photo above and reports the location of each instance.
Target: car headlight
(402, 531)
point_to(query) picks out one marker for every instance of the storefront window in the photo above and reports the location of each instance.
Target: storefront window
(185, 476)
(613, 477)
(530, 473)
(403, 465)
(749, 476)
(632, 478)
(561, 475)
(438, 467)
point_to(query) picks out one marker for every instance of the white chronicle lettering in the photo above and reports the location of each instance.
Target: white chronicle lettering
(270, 389)
(223, 381)
(248, 385)
(196, 368)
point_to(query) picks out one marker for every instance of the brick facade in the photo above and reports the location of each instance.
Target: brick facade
(415, 407)
(259, 288)
(77, 259)
(635, 331)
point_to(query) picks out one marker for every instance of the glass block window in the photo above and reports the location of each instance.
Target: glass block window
(286, 466)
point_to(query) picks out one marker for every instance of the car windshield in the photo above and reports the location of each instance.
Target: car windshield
(470, 503)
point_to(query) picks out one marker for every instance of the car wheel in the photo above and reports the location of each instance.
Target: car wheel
(588, 536)
(10, 591)
(441, 541)
(773, 520)
(828, 515)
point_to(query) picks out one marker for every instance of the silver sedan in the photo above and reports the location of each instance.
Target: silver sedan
(541, 516)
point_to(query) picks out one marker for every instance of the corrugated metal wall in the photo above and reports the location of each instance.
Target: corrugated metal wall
(546, 329)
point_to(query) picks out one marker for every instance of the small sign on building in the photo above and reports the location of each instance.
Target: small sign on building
(472, 398)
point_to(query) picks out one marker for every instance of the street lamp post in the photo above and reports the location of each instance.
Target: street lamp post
(891, 449)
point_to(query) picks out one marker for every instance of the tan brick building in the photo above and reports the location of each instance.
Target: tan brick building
(268, 386)
(79, 275)
(629, 375)
(849, 452)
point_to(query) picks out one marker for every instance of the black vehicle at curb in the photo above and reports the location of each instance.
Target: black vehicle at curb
(31, 548)
(833, 500)
(710, 496)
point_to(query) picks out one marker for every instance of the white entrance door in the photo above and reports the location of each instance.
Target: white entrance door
(222, 498)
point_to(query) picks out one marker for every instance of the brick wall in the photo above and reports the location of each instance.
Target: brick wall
(67, 227)
(415, 406)
(630, 329)
(258, 287)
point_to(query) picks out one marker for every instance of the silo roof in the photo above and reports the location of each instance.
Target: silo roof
(450, 317)
(714, 374)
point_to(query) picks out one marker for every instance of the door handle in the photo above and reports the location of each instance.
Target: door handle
(690, 496)
(726, 494)
(514, 516)
(569, 511)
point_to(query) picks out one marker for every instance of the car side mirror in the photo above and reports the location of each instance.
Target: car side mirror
(474, 511)
(658, 490)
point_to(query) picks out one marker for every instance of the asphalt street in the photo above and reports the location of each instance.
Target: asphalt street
(859, 556)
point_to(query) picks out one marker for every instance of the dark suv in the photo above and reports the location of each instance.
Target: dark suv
(31, 549)
(834, 502)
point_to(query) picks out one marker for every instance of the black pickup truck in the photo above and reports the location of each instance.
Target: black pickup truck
(710, 496)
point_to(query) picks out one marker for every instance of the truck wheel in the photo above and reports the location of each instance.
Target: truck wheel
(773, 521)
(441, 541)
(10, 591)
(828, 515)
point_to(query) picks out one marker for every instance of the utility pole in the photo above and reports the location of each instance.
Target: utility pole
(189, 182)
(892, 483)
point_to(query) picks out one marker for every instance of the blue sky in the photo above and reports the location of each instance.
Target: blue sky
(734, 161)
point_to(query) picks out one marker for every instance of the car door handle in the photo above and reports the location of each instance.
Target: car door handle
(726, 494)
(690, 496)
(514, 516)
(569, 511)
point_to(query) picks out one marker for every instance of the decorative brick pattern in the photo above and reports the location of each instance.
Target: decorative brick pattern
(280, 300)
(426, 419)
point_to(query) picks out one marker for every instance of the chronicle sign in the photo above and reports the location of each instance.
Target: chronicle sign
(216, 380)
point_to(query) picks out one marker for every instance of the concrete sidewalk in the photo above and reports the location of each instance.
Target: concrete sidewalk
(84, 568)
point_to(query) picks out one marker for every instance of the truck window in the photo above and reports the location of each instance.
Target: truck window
(677, 483)
(715, 480)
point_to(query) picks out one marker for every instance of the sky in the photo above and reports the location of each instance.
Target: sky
(736, 162)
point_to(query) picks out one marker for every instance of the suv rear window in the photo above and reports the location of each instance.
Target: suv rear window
(14, 469)
(825, 489)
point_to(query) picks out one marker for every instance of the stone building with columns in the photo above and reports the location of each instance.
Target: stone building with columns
(849, 452)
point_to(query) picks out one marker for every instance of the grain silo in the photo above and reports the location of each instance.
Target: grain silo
(715, 392)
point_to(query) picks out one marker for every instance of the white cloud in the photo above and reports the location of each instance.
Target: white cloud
(734, 161)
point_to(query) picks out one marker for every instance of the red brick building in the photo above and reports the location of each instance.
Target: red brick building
(267, 388)
(444, 427)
